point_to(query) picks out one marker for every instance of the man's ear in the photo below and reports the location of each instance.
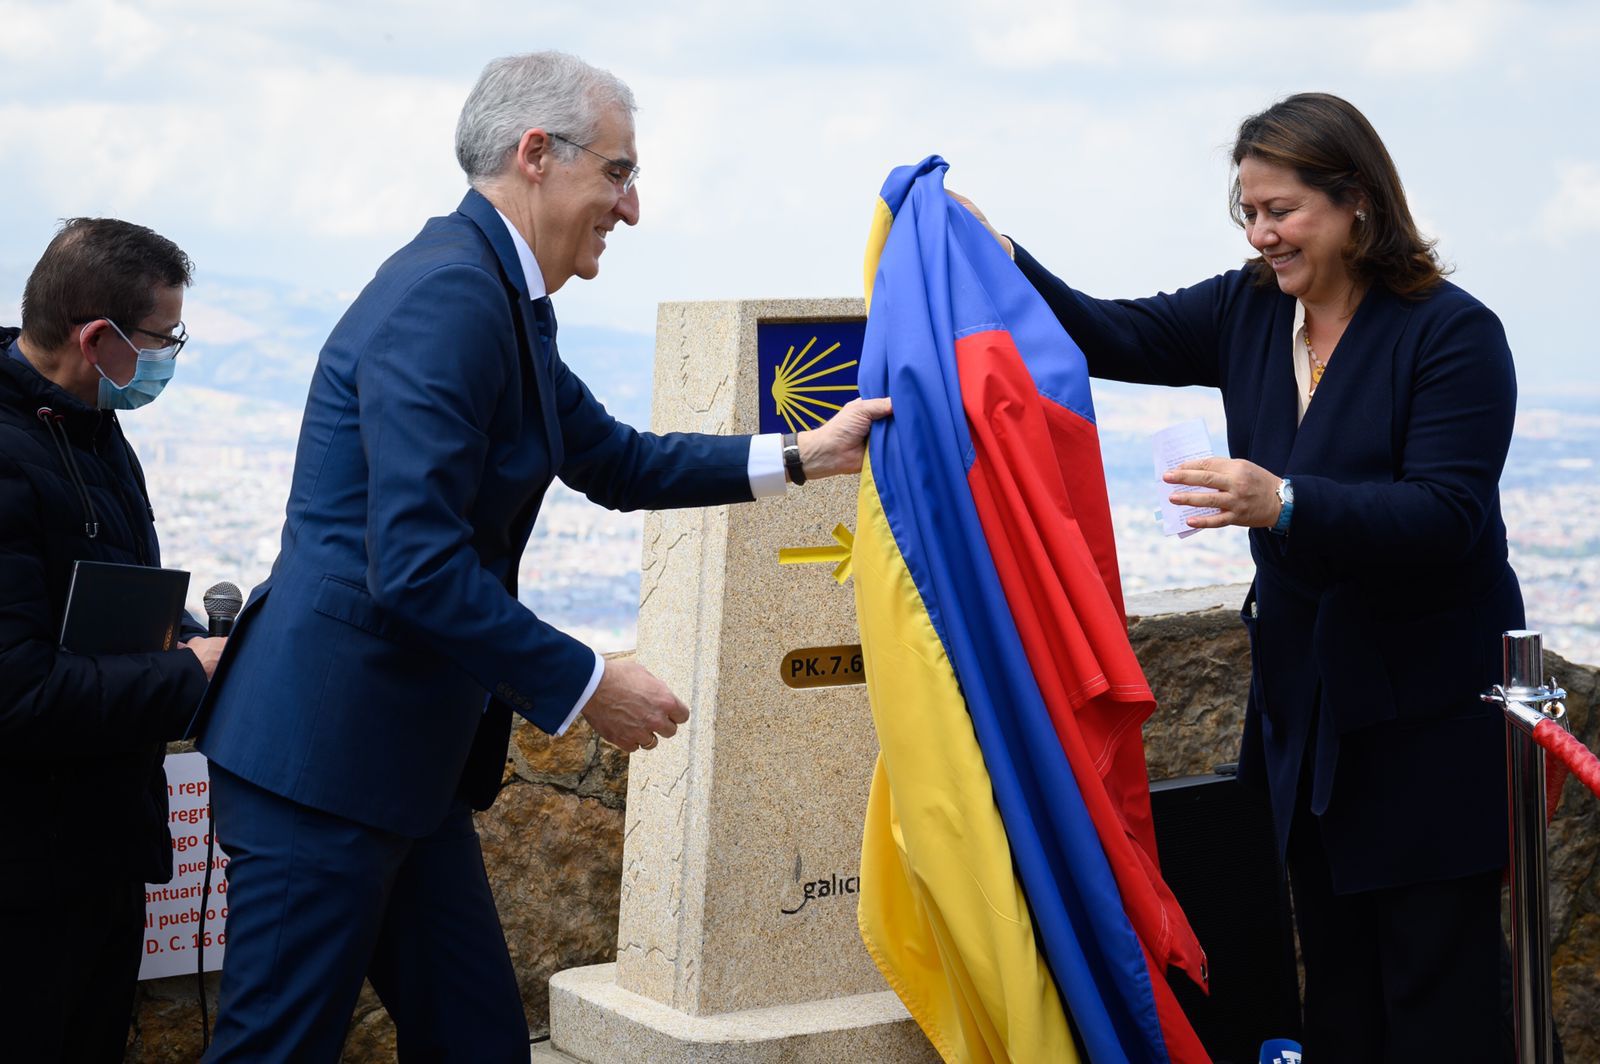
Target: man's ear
(91, 336)
(533, 154)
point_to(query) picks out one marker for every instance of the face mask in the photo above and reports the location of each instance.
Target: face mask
(151, 374)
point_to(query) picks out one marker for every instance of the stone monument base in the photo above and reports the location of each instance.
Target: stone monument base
(594, 1020)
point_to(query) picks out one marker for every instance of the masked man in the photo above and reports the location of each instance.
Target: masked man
(83, 798)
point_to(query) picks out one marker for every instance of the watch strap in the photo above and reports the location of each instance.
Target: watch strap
(1286, 508)
(791, 458)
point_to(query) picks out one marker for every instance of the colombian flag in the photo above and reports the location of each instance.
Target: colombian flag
(1009, 886)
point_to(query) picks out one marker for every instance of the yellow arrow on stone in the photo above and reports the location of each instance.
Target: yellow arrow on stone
(821, 555)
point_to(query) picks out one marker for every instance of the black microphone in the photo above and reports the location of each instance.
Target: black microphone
(223, 602)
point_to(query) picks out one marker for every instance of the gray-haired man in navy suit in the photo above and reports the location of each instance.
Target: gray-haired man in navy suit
(364, 705)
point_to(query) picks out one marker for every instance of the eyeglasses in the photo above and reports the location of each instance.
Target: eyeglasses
(622, 173)
(170, 345)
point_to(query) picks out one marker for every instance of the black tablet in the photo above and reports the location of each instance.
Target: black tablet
(123, 609)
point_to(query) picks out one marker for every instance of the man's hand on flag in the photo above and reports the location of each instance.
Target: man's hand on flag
(837, 446)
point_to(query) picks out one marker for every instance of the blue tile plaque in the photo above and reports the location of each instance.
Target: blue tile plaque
(808, 371)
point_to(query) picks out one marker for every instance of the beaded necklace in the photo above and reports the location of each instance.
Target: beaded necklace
(1318, 367)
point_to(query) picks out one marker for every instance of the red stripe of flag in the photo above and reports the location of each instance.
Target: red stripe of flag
(1041, 497)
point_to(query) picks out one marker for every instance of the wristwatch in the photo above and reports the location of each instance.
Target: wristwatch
(791, 458)
(1286, 499)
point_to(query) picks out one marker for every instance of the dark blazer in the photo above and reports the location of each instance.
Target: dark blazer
(82, 736)
(439, 412)
(1376, 621)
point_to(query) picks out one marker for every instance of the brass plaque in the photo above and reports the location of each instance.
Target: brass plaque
(824, 666)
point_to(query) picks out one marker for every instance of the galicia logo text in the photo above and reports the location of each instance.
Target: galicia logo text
(833, 886)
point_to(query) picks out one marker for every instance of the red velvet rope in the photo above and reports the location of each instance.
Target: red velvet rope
(1555, 778)
(1572, 754)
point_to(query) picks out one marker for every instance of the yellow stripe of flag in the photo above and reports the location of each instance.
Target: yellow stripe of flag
(940, 908)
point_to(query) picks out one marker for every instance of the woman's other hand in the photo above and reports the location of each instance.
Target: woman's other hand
(976, 213)
(1244, 492)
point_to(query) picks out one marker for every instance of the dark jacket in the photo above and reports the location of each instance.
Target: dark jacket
(1375, 622)
(357, 678)
(81, 736)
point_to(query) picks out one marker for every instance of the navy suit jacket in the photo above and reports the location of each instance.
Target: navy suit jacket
(1376, 621)
(357, 676)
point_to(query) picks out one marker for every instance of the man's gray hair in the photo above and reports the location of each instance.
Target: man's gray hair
(553, 91)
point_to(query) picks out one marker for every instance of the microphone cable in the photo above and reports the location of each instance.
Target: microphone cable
(205, 897)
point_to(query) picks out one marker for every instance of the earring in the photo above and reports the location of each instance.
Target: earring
(1361, 216)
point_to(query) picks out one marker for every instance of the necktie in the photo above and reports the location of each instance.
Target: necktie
(544, 319)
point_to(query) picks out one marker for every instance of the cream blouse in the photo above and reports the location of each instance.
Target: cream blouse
(1302, 361)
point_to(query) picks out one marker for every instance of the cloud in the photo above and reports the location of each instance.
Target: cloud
(1574, 208)
(1426, 37)
(1435, 36)
(29, 32)
(218, 325)
(1029, 34)
(302, 142)
(332, 152)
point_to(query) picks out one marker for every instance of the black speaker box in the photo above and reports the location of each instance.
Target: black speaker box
(1214, 836)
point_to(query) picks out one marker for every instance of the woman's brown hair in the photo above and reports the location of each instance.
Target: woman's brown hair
(1333, 148)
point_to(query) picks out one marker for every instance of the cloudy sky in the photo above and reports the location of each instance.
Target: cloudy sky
(299, 143)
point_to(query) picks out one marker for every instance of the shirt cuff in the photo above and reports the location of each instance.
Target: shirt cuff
(588, 692)
(766, 466)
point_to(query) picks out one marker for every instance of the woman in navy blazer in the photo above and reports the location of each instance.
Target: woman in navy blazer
(1369, 485)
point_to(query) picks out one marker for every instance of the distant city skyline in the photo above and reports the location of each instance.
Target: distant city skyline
(298, 144)
(220, 494)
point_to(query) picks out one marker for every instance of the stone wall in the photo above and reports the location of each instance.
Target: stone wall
(553, 841)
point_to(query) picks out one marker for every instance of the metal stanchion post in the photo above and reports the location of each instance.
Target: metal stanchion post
(1527, 701)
